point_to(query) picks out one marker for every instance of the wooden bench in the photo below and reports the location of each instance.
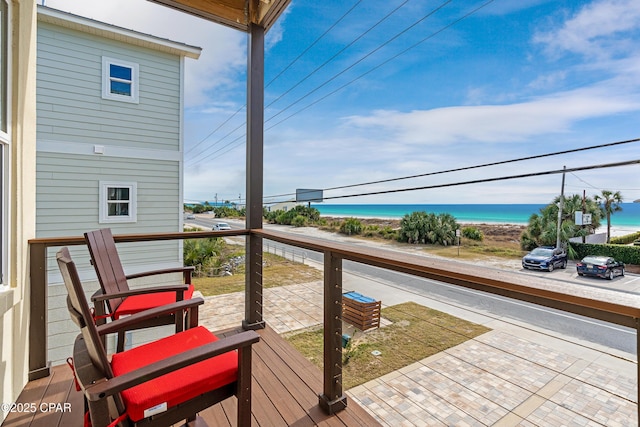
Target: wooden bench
(360, 311)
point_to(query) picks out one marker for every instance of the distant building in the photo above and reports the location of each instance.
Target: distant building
(284, 206)
(109, 105)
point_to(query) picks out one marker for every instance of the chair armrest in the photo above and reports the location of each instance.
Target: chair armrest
(99, 296)
(186, 271)
(125, 323)
(122, 382)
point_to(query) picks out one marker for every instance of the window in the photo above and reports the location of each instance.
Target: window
(119, 80)
(117, 202)
(5, 139)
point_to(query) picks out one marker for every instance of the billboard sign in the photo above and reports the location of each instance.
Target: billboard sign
(308, 195)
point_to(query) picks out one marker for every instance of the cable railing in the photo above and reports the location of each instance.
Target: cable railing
(601, 304)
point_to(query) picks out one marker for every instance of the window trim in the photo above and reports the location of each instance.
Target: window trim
(104, 202)
(106, 80)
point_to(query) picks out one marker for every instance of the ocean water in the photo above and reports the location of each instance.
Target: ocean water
(628, 218)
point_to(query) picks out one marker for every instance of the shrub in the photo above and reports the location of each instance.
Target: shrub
(351, 226)
(626, 239)
(473, 233)
(422, 227)
(199, 252)
(300, 221)
(624, 253)
(286, 217)
(227, 212)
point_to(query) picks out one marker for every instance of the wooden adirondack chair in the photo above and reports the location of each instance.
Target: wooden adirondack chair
(162, 382)
(115, 299)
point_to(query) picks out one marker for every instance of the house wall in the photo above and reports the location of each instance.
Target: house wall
(139, 143)
(70, 104)
(14, 300)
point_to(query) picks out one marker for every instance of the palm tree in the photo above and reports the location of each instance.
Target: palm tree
(610, 204)
(543, 227)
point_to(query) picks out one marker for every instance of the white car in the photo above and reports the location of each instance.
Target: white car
(189, 216)
(221, 226)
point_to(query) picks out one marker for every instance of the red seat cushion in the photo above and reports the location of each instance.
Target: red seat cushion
(136, 303)
(178, 386)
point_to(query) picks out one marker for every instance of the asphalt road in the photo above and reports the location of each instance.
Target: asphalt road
(570, 325)
(567, 324)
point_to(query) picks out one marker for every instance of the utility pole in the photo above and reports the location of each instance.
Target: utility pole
(584, 211)
(561, 205)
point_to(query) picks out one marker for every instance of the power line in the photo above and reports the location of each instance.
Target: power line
(432, 12)
(377, 66)
(501, 162)
(214, 131)
(599, 188)
(485, 180)
(314, 43)
(380, 21)
(352, 65)
(268, 84)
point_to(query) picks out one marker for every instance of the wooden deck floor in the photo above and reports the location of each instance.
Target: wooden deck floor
(285, 393)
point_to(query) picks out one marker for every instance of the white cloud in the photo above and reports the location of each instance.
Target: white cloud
(497, 123)
(596, 30)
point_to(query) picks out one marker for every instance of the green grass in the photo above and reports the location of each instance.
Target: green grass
(276, 271)
(416, 332)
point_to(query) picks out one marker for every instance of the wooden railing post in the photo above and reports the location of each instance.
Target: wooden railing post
(255, 154)
(39, 366)
(333, 399)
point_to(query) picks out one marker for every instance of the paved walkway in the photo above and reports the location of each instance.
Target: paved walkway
(512, 376)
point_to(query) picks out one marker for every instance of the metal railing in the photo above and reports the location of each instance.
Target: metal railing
(285, 252)
(601, 304)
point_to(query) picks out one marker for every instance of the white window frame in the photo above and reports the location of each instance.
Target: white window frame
(5, 144)
(104, 202)
(107, 79)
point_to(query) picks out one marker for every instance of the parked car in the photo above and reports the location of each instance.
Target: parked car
(545, 258)
(189, 216)
(221, 226)
(600, 266)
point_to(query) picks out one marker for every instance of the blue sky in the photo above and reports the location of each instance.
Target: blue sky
(388, 89)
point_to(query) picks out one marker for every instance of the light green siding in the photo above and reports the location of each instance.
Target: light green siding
(69, 92)
(83, 140)
(72, 112)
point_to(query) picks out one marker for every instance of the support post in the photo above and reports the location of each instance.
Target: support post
(332, 400)
(255, 128)
(39, 366)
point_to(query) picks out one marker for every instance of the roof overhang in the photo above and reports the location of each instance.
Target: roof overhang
(108, 31)
(238, 14)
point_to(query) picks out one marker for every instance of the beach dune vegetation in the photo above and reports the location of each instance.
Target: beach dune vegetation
(542, 229)
(473, 233)
(428, 228)
(290, 216)
(351, 226)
